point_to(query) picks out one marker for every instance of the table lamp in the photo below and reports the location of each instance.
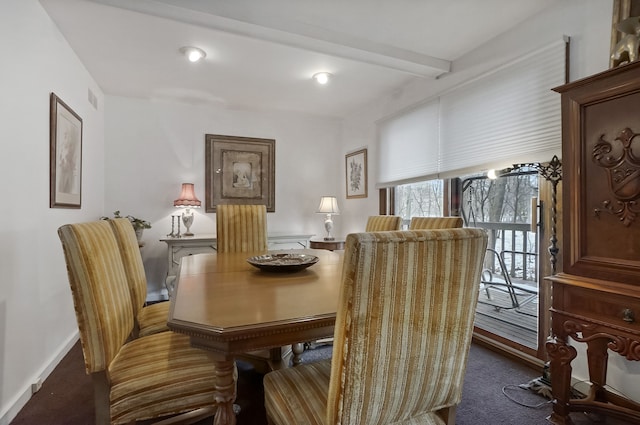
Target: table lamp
(328, 205)
(188, 200)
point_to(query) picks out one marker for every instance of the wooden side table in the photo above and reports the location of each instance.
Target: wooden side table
(333, 245)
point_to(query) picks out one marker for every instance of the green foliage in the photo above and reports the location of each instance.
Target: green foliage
(137, 223)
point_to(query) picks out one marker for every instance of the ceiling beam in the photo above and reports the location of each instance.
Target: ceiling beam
(295, 34)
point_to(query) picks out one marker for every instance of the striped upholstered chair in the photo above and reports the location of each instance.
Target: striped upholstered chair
(428, 223)
(241, 228)
(382, 223)
(402, 334)
(147, 377)
(148, 319)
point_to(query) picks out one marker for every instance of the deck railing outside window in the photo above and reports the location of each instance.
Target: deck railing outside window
(519, 247)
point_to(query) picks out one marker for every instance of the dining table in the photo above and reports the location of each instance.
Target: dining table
(230, 307)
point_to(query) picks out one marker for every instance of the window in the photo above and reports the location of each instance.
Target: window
(421, 199)
(508, 300)
(503, 206)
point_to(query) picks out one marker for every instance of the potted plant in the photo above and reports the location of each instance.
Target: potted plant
(138, 224)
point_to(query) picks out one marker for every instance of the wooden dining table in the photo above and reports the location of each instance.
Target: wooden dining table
(228, 306)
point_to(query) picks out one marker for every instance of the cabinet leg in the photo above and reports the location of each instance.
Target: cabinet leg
(560, 357)
(598, 356)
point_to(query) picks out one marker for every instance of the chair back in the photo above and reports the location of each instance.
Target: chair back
(99, 288)
(427, 223)
(241, 228)
(383, 223)
(132, 261)
(404, 324)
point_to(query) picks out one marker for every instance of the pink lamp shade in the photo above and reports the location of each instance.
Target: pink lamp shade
(187, 198)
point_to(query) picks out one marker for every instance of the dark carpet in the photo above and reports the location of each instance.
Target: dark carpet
(491, 394)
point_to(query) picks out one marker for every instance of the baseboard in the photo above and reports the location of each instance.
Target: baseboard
(524, 358)
(21, 399)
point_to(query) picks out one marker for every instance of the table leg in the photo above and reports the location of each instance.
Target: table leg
(298, 349)
(225, 392)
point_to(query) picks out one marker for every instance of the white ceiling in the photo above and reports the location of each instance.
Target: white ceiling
(261, 54)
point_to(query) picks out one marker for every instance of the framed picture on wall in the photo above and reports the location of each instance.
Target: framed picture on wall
(239, 170)
(65, 155)
(356, 174)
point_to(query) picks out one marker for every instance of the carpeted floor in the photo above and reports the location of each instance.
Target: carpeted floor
(491, 394)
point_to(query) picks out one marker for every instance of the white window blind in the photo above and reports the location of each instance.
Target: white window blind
(507, 116)
(408, 146)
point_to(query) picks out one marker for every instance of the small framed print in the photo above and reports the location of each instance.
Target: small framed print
(65, 155)
(356, 174)
(239, 170)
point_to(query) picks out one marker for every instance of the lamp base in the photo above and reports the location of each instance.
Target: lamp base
(328, 226)
(187, 219)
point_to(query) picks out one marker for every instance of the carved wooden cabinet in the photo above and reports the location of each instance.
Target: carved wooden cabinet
(596, 297)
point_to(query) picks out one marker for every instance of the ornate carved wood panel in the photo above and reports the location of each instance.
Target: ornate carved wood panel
(601, 175)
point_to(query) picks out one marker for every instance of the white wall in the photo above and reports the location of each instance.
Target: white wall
(153, 146)
(588, 24)
(37, 322)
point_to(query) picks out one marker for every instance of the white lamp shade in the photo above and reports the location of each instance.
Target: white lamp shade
(328, 205)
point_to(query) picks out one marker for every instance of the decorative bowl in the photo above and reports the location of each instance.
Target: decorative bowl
(282, 262)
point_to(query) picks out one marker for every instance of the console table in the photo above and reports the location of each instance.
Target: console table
(206, 244)
(596, 297)
(336, 244)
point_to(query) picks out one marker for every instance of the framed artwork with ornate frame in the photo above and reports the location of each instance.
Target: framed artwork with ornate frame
(356, 174)
(65, 155)
(239, 170)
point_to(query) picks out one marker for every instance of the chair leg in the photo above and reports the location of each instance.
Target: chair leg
(449, 415)
(101, 398)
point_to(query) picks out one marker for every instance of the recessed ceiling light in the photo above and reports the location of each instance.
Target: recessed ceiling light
(322, 77)
(194, 54)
